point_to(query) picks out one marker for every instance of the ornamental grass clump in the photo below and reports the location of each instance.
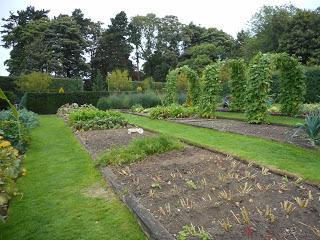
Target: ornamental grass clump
(311, 126)
(139, 149)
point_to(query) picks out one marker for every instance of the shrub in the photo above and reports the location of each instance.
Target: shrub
(8, 84)
(67, 84)
(172, 111)
(310, 108)
(312, 75)
(126, 101)
(210, 89)
(34, 82)
(311, 126)
(48, 103)
(18, 136)
(27, 118)
(258, 88)
(137, 108)
(90, 119)
(98, 83)
(119, 81)
(139, 149)
(10, 168)
(292, 84)
(238, 84)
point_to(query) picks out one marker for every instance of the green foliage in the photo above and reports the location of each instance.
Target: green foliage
(98, 83)
(179, 75)
(210, 88)
(68, 85)
(311, 126)
(48, 103)
(258, 88)
(172, 111)
(238, 84)
(148, 84)
(137, 108)
(34, 82)
(139, 149)
(90, 119)
(171, 87)
(126, 101)
(292, 84)
(10, 168)
(312, 75)
(8, 83)
(310, 108)
(19, 136)
(190, 232)
(27, 118)
(119, 81)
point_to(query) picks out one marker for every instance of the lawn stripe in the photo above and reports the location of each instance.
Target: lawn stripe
(53, 204)
(294, 159)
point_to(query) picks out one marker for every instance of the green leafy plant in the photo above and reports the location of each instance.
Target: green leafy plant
(139, 149)
(27, 118)
(172, 111)
(119, 81)
(89, 119)
(34, 82)
(292, 84)
(238, 84)
(191, 232)
(258, 88)
(191, 184)
(311, 126)
(210, 89)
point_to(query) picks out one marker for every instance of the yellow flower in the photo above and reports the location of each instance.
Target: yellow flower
(4, 144)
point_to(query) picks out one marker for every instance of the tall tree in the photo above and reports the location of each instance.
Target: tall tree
(15, 36)
(113, 49)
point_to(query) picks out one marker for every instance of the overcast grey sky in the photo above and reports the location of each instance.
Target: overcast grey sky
(230, 16)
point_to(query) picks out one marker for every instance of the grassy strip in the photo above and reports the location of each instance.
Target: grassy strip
(64, 196)
(139, 149)
(297, 160)
(284, 120)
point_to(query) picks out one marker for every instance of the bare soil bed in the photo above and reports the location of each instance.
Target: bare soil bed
(96, 141)
(274, 132)
(210, 189)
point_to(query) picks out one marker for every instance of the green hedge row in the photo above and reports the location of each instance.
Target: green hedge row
(313, 84)
(158, 86)
(48, 103)
(68, 84)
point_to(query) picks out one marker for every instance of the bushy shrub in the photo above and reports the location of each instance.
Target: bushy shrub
(68, 85)
(311, 126)
(139, 149)
(19, 137)
(137, 108)
(258, 86)
(10, 168)
(119, 81)
(90, 119)
(172, 111)
(27, 118)
(126, 101)
(34, 82)
(210, 89)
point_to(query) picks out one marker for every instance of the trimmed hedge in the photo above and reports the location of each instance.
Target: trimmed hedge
(159, 86)
(312, 84)
(48, 103)
(68, 85)
(8, 83)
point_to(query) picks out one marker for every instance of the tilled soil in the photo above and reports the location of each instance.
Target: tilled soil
(274, 132)
(188, 186)
(97, 141)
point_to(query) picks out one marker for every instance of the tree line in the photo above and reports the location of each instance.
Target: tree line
(74, 46)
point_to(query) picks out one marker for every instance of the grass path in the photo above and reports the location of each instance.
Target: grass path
(284, 120)
(64, 196)
(297, 160)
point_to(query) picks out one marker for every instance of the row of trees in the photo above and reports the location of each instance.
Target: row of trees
(149, 46)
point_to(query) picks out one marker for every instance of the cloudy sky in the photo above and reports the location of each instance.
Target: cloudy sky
(228, 15)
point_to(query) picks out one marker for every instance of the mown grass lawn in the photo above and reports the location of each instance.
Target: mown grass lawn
(64, 196)
(284, 120)
(297, 160)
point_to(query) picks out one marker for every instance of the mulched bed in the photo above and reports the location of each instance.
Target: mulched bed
(96, 141)
(274, 132)
(183, 187)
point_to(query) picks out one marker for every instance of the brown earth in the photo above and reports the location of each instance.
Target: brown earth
(184, 187)
(274, 132)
